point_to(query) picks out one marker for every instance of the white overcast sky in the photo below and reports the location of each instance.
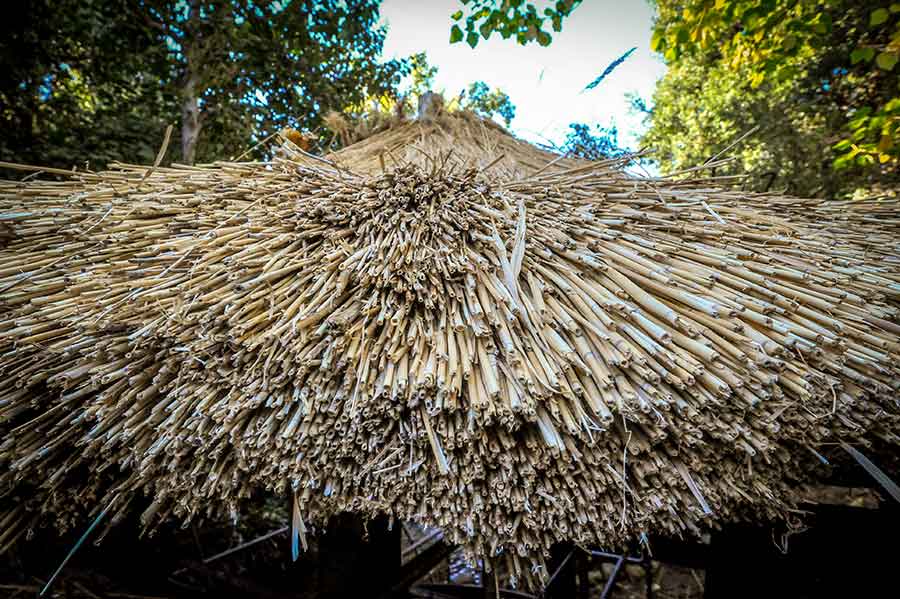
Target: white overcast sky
(545, 84)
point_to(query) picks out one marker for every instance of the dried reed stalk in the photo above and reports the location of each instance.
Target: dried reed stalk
(540, 350)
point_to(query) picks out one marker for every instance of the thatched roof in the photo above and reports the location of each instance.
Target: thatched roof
(441, 323)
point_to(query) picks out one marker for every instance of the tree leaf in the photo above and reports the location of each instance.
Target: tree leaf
(472, 39)
(886, 60)
(656, 41)
(842, 145)
(457, 15)
(862, 54)
(456, 34)
(878, 17)
(842, 162)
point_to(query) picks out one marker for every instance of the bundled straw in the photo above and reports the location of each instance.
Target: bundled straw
(441, 323)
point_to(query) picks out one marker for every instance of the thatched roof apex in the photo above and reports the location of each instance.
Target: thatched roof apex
(441, 323)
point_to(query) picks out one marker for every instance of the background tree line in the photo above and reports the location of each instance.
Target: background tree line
(814, 83)
(817, 77)
(92, 81)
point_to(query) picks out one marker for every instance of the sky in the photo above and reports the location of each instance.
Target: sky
(544, 83)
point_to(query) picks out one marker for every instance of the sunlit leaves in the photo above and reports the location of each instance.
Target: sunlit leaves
(874, 138)
(862, 55)
(421, 74)
(657, 41)
(488, 102)
(258, 67)
(842, 54)
(878, 17)
(525, 21)
(886, 60)
(597, 143)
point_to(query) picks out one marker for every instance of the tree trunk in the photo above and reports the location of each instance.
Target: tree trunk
(430, 106)
(190, 116)
(191, 43)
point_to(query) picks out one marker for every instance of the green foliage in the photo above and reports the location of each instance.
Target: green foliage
(78, 84)
(481, 99)
(421, 73)
(700, 107)
(826, 69)
(525, 21)
(100, 79)
(873, 139)
(596, 144)
(262, 66)
(878, 17)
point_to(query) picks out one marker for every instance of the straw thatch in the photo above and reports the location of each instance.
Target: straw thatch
(441, 323)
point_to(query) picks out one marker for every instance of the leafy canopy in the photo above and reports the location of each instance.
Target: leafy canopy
(526, 21)
(81, 81)
(100, 79)
(593, 143)
(828, 66)
(488, 102)
(702, 107)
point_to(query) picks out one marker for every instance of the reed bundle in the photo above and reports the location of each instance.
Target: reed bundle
(440, 323)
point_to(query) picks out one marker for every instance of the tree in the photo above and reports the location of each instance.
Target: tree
(510, 18)
(378, 112)
(262, 66)
(597, 143)
(79, 81)
(421, 74)
(481, 99)
(825, 67)
(701, 108)
(229, 71)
